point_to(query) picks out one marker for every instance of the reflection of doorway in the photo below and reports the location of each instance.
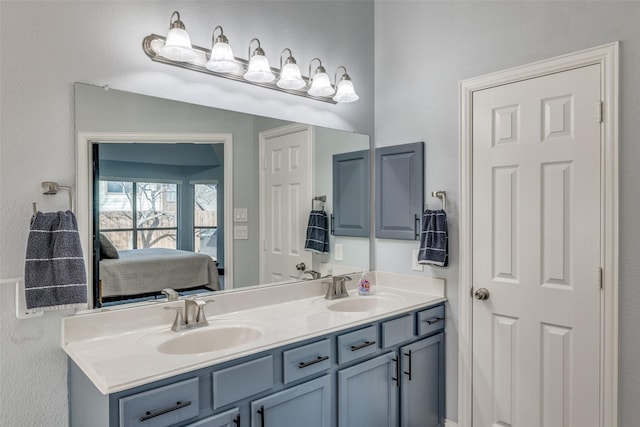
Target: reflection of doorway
(85, 192)
(285, 197)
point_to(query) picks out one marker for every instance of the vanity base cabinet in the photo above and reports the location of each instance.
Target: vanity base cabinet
(308, 405)
(367, 393)
(422, 384)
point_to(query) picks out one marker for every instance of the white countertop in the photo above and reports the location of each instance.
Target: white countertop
(116, 349)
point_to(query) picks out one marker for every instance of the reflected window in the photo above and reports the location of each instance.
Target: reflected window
(140, 215)
(205, 221)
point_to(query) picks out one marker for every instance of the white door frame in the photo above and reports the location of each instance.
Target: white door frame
(607, 56)
(263, 137)
(84, 187)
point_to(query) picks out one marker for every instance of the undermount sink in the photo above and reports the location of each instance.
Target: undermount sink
(357, 304)
(203, 340)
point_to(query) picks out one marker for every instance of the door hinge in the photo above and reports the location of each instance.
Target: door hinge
(264, 163)
(600, 111)
(600, 276)
(264, 244)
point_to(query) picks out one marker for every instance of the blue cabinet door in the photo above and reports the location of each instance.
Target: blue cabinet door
(351, 194)
(422, 390)
(399, 196)
(307, 404)
(368, 393)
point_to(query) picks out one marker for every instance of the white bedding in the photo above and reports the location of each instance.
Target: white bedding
(142, 271)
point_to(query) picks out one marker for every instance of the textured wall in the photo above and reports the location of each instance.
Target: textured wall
(423, 49)
(47, 46)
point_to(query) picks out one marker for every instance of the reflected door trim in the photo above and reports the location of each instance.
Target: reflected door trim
(84, 188)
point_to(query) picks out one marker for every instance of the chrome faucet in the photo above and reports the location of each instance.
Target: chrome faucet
(337, 288)
(194, 315)
(314, 274)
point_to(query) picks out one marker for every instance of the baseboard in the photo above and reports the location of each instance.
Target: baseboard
(449, 423)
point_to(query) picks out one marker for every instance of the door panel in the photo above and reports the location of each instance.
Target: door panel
(536, 249)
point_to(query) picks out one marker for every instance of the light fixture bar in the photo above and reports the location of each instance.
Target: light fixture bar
(152, 44)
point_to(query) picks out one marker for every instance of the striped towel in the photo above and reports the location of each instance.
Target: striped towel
(54, 274)
(434, 239)
(317, 232)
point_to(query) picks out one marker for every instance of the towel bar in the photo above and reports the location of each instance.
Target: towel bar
(50, 188)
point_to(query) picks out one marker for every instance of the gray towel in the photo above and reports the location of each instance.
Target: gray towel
(317, 232)
(54, 274)
(434, 239)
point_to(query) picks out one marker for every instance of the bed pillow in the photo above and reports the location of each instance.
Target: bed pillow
(107, 249)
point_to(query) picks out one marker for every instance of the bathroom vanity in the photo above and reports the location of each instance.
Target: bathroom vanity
(295, 359)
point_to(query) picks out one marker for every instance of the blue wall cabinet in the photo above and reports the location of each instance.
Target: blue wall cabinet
(368, 394)
(422, 383)
(399, 191)
(308, 405)
(351, 194)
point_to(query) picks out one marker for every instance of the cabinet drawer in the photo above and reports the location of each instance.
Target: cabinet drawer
(431, 320)
(356, 344)
(226, 419)
(397, 330)
(242, 380)
(163, 406)
(306, 360)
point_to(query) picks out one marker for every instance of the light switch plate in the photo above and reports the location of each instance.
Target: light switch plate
(338, 250)
(240, 232)
(240, 215)
(414, 261)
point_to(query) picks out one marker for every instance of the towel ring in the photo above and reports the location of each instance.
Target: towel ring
(52, 188)
(322, 199)
(442, 195)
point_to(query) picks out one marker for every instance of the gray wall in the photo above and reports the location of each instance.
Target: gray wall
(46, 46)
(423, 49)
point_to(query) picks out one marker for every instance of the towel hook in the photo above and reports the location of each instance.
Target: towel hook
(51, 188)
(442, 195)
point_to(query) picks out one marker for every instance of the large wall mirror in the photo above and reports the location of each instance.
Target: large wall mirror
(199, 199)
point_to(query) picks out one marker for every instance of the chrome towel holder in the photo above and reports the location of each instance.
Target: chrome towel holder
(52, 188)
(442, 195)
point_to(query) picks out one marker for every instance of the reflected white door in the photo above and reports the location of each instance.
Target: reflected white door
(536, 250)
(285, 201)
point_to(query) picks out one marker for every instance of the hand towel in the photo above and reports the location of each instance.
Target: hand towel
(54, 273)
(434, 239)
(317, 232)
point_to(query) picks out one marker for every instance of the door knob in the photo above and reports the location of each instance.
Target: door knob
(481, 294)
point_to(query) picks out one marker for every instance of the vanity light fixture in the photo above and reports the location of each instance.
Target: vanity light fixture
(345, 92)
(176, 50)
(320, 82)
(290, 76)
(178, 44)
(221, 59)
(258, 70)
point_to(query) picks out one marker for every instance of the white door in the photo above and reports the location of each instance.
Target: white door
(536, 250)
(285, 200)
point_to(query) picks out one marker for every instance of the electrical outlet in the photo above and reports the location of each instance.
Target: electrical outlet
(414, 261)
(338, 250)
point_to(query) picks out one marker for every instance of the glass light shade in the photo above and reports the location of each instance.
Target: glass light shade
(221, 60)
(321, 85)
(290, 77)
(346, 92)
(259, 70)
(178, 46)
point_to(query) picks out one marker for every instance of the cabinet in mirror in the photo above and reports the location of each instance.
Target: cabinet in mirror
(200, 199)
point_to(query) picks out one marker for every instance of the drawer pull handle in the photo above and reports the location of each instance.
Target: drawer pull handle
(179, 405)
(409, 372)
(313, 362)
(434, 320)
(236, 421)
(261, 412)
(361, 346)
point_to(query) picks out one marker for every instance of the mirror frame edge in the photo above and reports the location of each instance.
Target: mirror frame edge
(84, 188)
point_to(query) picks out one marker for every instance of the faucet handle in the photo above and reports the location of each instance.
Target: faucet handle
(170, 293)
(178, 322)
(201, 316)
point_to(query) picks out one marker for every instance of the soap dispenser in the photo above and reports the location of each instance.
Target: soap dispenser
(364, 287)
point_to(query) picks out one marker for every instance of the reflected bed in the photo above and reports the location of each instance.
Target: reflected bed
(142, 272)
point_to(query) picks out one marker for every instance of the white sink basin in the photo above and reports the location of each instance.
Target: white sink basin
(202, 340)
(359, 304)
